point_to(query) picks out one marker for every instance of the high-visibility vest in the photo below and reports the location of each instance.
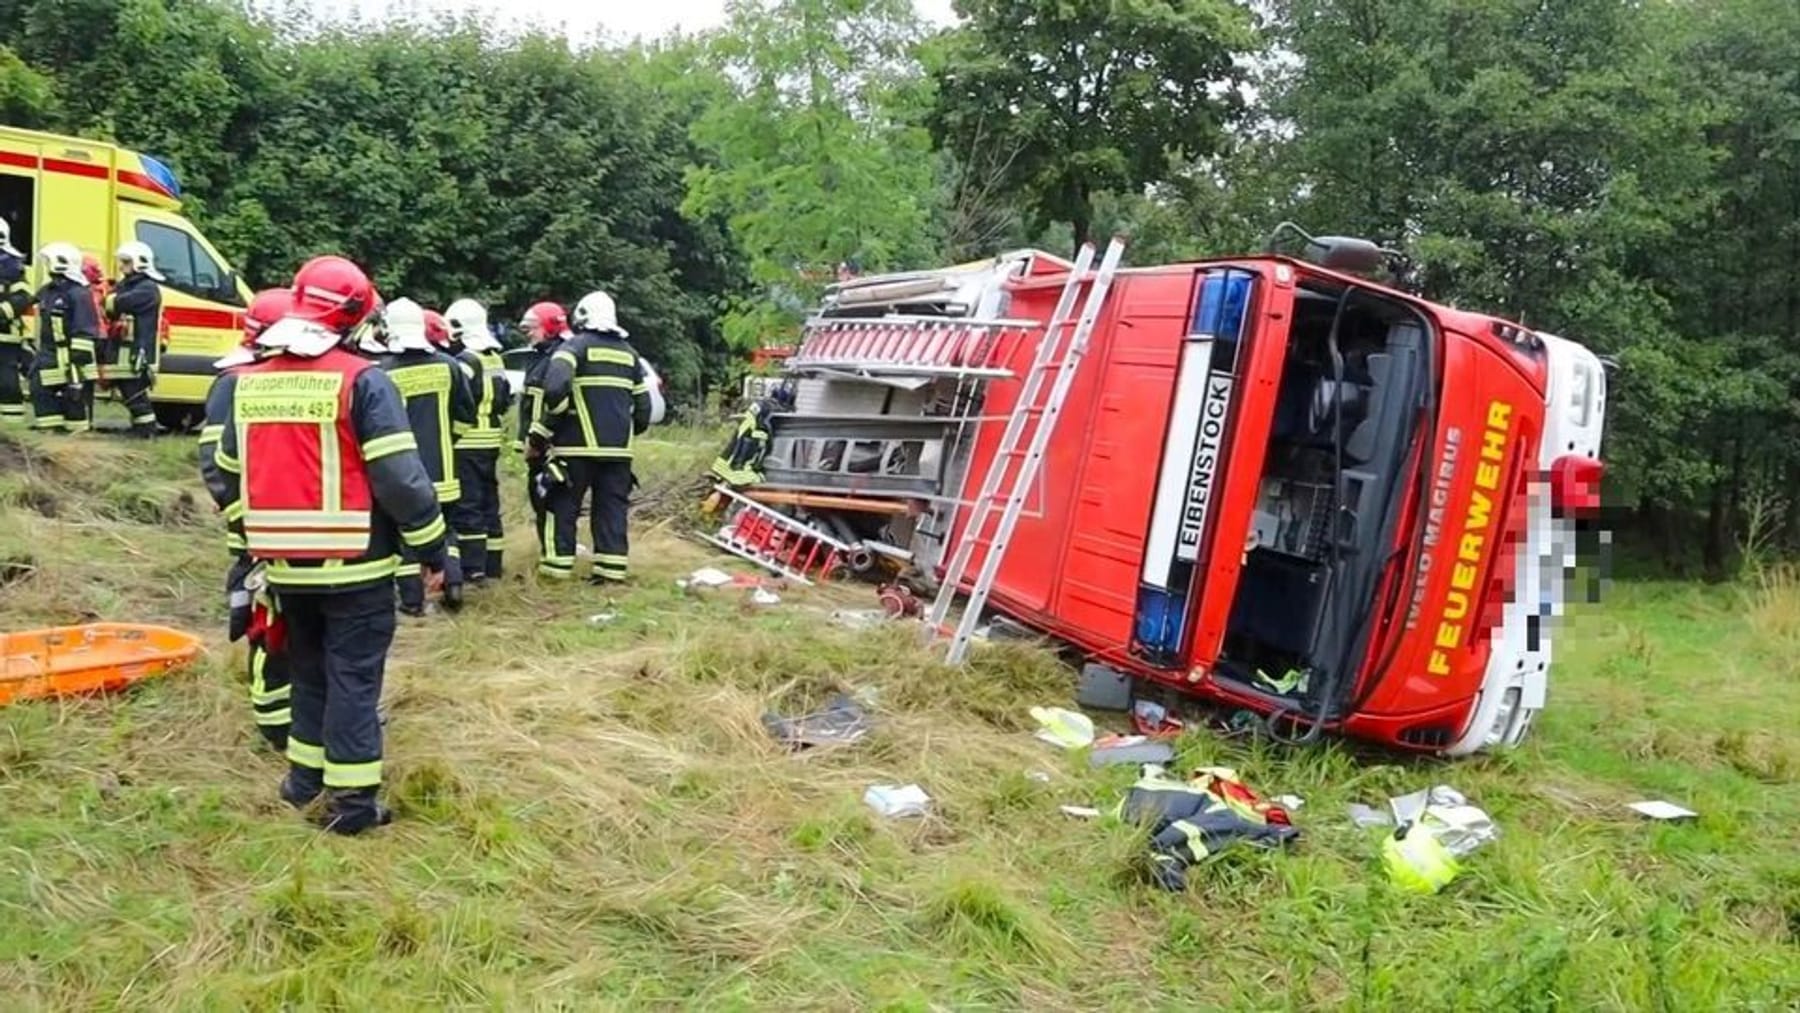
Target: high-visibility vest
(306, 494)
(487, 371)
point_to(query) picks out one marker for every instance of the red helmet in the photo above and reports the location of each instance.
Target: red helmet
(545, 320)
(332, 292)
(437, 329)
(270, 305)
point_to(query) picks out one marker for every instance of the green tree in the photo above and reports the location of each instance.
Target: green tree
(815, 160)
(1085, 97)
(1555, 163)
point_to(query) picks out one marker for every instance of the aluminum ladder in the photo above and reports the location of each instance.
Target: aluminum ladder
(1054, 355)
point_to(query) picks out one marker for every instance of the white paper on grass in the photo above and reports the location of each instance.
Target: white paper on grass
(1659, 810)
(897, 800)
(706, 576)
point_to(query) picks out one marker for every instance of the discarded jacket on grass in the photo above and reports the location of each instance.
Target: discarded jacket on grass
(1196, 819)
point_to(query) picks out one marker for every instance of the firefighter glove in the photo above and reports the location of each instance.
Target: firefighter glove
(453, 583)
(237, 599)
(552, 476)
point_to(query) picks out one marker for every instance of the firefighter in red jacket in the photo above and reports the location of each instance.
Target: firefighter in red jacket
(252, 608)
(546, 326)
(596, 400)
(317, 453)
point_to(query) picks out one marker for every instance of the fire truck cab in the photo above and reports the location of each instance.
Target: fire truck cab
(1283, 487)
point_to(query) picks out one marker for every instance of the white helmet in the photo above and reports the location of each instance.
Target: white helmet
(239, 356)
(297, 337)
(596, 312)
(406, 326)
(137, 258)
(63, 260)
(6, 245)
(469, 324)
(371, 335)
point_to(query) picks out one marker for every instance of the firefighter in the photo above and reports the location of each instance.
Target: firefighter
(478, 524)
(15, 343)
(545, 326)
(252, 608)
(740, 463)
(134, 315)
(437, 399)
(317, 453)
(68, 328)
(596, 399)
(370, 339)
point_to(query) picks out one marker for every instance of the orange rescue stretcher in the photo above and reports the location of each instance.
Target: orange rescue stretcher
(96, 658)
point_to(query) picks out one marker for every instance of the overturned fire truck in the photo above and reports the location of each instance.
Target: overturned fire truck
(1268, 480)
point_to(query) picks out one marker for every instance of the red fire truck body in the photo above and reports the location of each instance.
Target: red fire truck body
(1296, 491)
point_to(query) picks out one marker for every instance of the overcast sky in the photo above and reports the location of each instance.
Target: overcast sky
(620, 19)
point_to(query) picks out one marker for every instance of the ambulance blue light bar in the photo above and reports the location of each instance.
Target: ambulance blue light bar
(162, 174)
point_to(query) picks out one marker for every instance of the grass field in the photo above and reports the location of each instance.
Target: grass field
(591, 816)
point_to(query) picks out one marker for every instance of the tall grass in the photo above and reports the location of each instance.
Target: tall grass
(592, 816)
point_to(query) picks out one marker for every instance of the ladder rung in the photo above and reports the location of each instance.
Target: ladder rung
(1027, 440)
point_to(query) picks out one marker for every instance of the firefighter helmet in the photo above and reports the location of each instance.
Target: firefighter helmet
(63, 260)
(333, 292)
(6, 245)
(596, 312)
(298, 336)
(544, 321)
(265, 309)
(406, 327)
(137, 258)
(437, 330)
(469, 324)
(270, 305)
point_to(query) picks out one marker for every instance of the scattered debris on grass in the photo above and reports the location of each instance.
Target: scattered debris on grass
(1661, 810)
(898, 601)
(705, 577)
(764, 597)
(1104, 688)
(1115, 750)
(859, 619)
(1434, 828)
(1151, 718)
(1369, 817)
(895, 801)
(841, 722)
(1062, 727)
(1080, 812)
(1197, 819)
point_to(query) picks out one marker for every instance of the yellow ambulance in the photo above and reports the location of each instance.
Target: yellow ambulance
(97, 195)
